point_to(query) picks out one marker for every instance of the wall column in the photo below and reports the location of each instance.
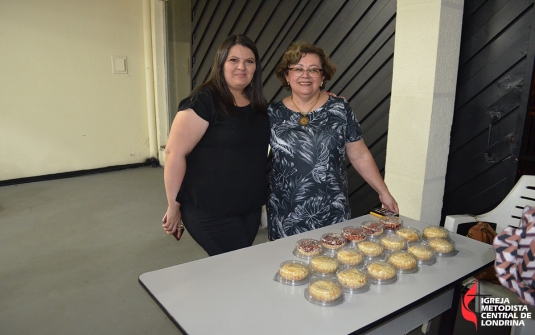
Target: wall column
(426, 55)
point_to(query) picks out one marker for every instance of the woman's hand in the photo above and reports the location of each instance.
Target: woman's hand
(172, 222)
(389, 202)
(186, 131)
(334, 95)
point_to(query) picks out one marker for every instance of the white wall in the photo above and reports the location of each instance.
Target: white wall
(61, 108)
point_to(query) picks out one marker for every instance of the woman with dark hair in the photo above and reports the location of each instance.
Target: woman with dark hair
(215, 169)
(311, 135)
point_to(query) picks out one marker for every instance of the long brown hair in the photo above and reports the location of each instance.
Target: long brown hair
(223, 98)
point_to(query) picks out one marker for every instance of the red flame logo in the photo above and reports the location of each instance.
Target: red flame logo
(468, 314)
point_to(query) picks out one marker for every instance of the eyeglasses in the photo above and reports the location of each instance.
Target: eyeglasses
(299, 71)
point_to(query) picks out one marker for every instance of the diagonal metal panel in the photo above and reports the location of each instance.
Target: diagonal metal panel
(246, 18)
(198, 34)
(495, 72)
(197, 8)
(496, 20)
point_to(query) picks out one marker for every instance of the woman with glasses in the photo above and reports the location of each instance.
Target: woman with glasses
(215, 169)
(311, 134)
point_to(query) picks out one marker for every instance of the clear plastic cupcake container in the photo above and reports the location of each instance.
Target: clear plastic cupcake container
(293, 273)
(324, 292)
(353, 281)
(371, 250)
(307, 248)
(391, 223)
(323, 266)
(332, 241)
(443, 247)
(393, 242)
(353, 234)
(434, 231)
(410, 234)
(329, 252)
(404, 262)
(381, 273)
(373, 229)
(423, 253)
(350, 256)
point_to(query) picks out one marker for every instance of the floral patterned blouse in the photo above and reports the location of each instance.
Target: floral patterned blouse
(308, 178)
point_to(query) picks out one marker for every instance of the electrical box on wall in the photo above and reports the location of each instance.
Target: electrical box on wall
(119, 65)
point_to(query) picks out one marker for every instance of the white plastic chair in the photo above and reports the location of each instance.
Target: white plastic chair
(507, 213)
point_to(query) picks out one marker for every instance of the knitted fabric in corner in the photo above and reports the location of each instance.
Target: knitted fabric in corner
(515, 257)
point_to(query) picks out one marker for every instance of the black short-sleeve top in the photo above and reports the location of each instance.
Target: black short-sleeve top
(226, 171)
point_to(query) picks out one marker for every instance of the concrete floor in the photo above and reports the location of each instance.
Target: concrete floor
(71, 251)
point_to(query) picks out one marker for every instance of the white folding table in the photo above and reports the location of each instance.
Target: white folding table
(234, 293)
